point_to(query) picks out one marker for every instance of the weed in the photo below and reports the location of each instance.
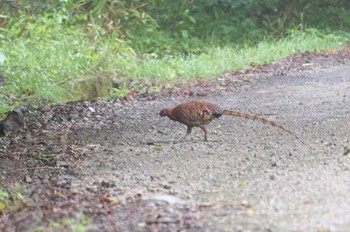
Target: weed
(41, 156)
(79, 223)
(118, 92)
(11, 199)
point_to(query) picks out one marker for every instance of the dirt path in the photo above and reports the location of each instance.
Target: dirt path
(247, 177)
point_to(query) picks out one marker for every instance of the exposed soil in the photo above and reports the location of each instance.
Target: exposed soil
(126, 169)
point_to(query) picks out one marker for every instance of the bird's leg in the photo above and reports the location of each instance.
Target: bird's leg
(205, 132)
(189, 130)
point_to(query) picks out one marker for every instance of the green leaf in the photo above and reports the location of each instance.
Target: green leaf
(2, 58)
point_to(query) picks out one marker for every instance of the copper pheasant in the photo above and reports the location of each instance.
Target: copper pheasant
(200, 113)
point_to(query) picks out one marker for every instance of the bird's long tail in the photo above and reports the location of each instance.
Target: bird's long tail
(257, 118)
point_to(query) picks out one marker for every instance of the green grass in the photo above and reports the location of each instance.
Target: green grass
(78, 223)
(215, 61)
(37, 69)
(11, 200)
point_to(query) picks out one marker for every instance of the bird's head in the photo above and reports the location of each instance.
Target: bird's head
(165, 112)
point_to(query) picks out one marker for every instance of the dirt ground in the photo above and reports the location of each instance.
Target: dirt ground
(124, 168)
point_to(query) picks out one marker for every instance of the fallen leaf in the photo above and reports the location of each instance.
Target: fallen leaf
(105, 198)
(157, 148)
(56, 209)
(2, 206)
(250, 211)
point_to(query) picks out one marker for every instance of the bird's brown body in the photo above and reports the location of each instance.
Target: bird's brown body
(200, 113)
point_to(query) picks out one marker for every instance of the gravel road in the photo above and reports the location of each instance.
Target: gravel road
(249, 176)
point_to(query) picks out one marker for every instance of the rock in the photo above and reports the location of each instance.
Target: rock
(91, 109)
(13, 121)
(167, 198)
(29, 179)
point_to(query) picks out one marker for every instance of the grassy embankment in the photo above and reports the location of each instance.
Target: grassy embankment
(36, 69)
